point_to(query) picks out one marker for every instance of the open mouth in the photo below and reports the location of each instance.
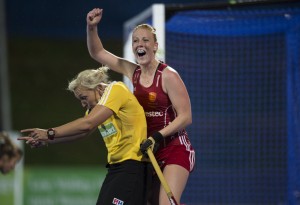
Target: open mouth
(141, 52)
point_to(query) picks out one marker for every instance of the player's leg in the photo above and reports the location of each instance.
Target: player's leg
(176, 177)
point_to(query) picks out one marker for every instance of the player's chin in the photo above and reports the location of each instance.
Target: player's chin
(142, 61)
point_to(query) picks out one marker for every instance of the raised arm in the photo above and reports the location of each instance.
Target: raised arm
(97, 50)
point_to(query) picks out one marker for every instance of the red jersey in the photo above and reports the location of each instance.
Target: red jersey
(156, 103)
(175, 149)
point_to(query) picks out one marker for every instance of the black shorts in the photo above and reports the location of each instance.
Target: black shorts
(126, 183)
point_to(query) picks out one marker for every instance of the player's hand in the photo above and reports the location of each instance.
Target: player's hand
(35, 133)
(33, 143)
(94, 17)
(39, 144)
(151, 143)
(35, 137)
(147, 144)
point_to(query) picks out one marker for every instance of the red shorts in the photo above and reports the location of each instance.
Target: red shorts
(177, 151)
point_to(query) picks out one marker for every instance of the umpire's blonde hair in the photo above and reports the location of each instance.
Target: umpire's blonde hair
(89, 78)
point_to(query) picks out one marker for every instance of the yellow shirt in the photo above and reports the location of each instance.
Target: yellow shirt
(124, 131)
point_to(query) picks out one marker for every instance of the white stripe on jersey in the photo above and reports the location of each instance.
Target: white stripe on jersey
(106, 93)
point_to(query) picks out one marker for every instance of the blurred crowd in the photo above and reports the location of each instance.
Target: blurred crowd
(10, 153)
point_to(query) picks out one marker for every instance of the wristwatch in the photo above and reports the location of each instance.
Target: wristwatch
(51, 133)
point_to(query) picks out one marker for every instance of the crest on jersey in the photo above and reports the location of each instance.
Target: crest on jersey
(152, 96)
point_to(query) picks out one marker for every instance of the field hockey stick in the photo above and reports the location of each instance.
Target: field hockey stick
(161, 177)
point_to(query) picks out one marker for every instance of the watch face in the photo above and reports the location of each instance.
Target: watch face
(51, 133)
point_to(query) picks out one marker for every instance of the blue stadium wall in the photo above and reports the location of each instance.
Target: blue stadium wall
(241, 68)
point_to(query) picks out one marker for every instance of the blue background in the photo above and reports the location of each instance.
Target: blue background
(66, 19)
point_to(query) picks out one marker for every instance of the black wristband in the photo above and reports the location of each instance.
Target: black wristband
(157, 136)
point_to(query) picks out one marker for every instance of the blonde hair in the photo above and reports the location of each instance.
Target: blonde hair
(147, 27)
(89, 78)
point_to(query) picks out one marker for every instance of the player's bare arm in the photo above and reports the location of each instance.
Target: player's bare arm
(97, 50)
(180, 100)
